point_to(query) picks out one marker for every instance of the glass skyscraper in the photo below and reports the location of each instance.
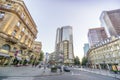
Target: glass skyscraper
(64, 44)
(111, 21)
(95, 35)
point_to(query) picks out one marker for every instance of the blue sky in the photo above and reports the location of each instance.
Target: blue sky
(81, 14)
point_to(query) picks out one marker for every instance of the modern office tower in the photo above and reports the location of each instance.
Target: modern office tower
(96, 35)
(111, 21)
(17, 31)
(86, 48)
(64, 44)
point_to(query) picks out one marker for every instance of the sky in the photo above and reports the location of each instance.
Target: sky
(80, 14)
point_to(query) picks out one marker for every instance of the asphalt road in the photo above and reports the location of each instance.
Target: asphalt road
(76, 75)
(73, 75)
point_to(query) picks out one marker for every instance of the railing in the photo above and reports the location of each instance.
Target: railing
(23, 46)
(11, 39)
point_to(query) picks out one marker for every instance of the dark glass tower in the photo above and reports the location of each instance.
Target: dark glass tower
(64, 44)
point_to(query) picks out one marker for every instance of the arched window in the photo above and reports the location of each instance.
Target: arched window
(14, 49)
(6, 47)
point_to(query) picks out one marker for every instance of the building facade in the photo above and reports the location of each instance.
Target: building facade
(96, 35)
(17, 32)
(111, 21)
(86, 48)
(105, 55)
(37, 46)
(64, 45)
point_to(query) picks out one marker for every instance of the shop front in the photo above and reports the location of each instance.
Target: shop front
(4, 59)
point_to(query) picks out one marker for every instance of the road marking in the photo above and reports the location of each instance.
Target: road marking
(75, 74)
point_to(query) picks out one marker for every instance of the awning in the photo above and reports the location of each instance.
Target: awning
(5, 55)
(19, 58)
(28, 59)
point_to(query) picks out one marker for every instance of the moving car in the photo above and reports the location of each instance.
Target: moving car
(66, 69)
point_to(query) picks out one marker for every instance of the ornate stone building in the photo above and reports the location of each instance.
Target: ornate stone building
(105, 54)
(37, 46)
(17, 31)
(64, 45)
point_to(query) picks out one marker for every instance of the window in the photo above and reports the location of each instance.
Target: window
(14, 49)
(14, 32)
(18, 24)
(8, 6)
(23, 29)
(20, 51)
(6, 47)
(22, 16)
(26, 32)
(25, 39)
(19, 37)
(2, 15)
(27, 22)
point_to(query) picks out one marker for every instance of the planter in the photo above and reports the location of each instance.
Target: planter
(54, 69)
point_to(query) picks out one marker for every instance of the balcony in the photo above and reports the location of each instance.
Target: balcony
(8, 38)
(30, 50)
(23, 46)
(4, 53)
(3, 35)
(11, 39)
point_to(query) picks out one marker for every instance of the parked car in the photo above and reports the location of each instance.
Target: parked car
(59, 67)
(66, 69)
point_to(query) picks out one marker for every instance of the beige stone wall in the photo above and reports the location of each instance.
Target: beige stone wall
(25, 33)
(108, 53)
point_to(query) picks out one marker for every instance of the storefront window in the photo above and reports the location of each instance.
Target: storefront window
(2, 15)
(6, 47)
(20, 51)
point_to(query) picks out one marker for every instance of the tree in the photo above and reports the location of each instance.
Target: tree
(84, 61)
(76, 61)
(41, 56)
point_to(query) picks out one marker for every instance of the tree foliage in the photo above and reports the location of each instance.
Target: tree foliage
(76, 61)
(41, 56)
(84, 61)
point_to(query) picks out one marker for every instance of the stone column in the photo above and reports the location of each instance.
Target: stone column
(108, 67)
(10, 61)
(99, 66)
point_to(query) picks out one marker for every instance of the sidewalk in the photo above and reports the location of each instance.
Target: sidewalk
(101, 72)
(26, 71)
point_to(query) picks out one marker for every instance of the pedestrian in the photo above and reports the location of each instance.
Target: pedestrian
(60, 68)
(39, 66)
(44, 68)
(33, 64)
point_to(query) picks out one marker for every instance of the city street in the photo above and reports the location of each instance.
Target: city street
(35, 73)
(76, 75)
